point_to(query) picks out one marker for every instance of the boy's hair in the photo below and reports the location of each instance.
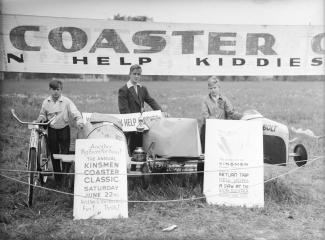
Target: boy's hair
(55, 84)
(213, 80)
(133, 67)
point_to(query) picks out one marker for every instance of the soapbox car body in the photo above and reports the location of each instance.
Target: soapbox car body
(173, 144)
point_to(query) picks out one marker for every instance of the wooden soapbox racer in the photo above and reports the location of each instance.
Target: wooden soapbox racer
(173, 144)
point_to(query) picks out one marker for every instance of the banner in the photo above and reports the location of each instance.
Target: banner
(89, 46)
(234, 163)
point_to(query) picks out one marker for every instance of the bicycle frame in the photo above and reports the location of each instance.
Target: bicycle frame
(34, 136)
(35, 162)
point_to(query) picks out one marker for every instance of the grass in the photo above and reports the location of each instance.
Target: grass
(294, 204)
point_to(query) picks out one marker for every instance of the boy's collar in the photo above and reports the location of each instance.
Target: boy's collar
(129, 84)
(219, 97)
(51, 99)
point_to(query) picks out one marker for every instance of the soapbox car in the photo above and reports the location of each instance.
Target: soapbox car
(173, 144)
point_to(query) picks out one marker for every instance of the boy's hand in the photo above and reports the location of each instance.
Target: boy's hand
(80, 125)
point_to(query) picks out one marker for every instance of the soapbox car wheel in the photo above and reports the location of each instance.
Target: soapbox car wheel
(300, 155)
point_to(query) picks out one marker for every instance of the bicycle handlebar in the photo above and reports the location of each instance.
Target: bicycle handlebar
(30, 123)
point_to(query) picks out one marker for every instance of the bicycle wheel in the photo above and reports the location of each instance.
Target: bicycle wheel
(31, 175)
(43, 159)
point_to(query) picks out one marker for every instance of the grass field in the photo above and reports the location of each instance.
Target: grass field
(294, 204)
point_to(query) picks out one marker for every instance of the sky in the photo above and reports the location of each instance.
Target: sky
(257, 12)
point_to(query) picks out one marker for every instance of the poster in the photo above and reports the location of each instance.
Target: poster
(234, 163)
(100, 181)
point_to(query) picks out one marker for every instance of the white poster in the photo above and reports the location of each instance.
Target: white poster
(234, 163)
(81, 46)
(100, 182)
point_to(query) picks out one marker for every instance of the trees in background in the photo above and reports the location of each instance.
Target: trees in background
(132, 18)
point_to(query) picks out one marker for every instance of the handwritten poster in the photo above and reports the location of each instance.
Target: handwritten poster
(100, 182)
(234, 163)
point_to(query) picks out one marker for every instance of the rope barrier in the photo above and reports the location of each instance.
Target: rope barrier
(157, 173)
(157, 201)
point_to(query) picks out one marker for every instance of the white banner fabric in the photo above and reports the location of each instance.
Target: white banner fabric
(90, 46)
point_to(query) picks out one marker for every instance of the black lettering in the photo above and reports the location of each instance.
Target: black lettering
(143, 60)
(252, 46)
(144, 38)
(204, 61)
(103, 60)
(75, 60)
(17, 38)
(294, 62)
(220, 60)
(16, 58)
(238, 61)
(261, 62)
(278, 62)
(122, 62)
(78, 38)
(317, 61)
(112, 39)
(316, 43)
(215, 43)
(187, 40)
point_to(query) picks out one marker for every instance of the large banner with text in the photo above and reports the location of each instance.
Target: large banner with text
(92, 46)
(234, 163)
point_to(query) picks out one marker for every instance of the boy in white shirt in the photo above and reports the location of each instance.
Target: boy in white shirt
(59, 130)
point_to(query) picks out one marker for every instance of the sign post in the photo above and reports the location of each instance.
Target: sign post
(100, 182)
(234, 163)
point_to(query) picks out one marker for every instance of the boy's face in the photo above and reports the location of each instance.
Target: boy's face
(135, 76)
(56, 93)
(214, 90)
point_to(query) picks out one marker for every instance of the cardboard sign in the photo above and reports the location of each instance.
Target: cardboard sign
(81, 46)
(234, 163)
(100, 182)
(130, 121)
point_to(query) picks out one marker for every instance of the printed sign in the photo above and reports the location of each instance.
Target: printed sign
(234, 163)
(130, 121)
(67, 45)
(100, 182)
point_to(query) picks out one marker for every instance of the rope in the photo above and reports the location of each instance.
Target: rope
(157, 201)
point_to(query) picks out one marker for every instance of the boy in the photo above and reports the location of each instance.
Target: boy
(59, 131)
(131, 98)
(216, 106)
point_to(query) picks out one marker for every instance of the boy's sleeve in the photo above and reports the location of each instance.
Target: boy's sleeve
(123, 105)
(204, 111)
(76, 115)
(42, 115)
(151, 101)
(230, 111)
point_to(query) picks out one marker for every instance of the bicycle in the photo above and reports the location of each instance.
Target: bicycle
(38, 155)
